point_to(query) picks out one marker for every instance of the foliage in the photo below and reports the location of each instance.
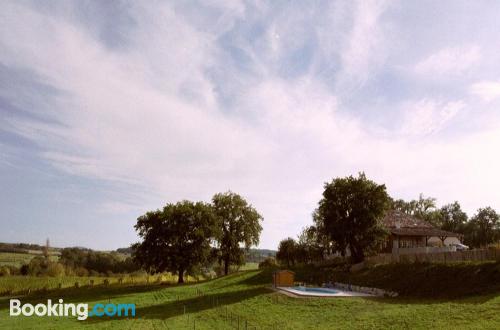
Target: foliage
(238, 223)
(423, 208)
(313, 244)
(350, 213)
(5, 271)
(269, 262)
(176, 239)
(484, 227)
(452, 218)
(287, 252)
(82, 261)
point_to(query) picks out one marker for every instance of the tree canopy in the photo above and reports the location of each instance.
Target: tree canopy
(238, 223)
(350, 213)
(485, 225)
(287, 250)
(176, 239)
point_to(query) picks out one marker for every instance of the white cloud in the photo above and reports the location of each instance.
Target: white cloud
(428, 116)
(486, 90)
(449, 61)
(365, 43)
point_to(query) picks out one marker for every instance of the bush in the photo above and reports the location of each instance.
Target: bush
(269, 262)
(55, 269)
(4, 271)
(81, 271)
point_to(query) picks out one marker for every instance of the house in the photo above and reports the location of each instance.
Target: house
(283, 278)
(409, 234)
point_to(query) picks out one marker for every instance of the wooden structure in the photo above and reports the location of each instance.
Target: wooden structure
(283, 278)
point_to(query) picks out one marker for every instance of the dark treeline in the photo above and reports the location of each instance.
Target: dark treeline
(78, 262)
(97, 262)
(20, 247)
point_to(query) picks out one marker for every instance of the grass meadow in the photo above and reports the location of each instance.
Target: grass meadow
(245, 298)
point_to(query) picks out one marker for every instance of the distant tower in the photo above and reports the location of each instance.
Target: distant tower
(46, 249)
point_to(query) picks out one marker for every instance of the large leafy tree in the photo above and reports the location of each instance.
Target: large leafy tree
(486, 226)
(452, 218)
(350, 213)
(176, 239)
(238, 224)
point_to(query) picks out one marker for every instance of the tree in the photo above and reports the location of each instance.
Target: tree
(287, 252)
(237, 223)
(452, 218)
(175, 239)
(312, 245)
(351, 210)
(487, 226)
(423, 208)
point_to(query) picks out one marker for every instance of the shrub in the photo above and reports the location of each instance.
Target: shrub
(4, 271)
(55, 269)
(81, 271)
(269, 262)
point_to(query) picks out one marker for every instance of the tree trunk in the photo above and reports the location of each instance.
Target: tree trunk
(181, 276)
(226, 265)
(357, 254)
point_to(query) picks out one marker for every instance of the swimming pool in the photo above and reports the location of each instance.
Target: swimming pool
(315, 290)
(321, 292)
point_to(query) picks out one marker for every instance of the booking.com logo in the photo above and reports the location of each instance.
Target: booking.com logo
(81, 311)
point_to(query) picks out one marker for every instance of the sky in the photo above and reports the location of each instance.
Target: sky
(109, 109)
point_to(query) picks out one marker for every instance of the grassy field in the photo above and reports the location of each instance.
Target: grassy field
(245, 296)
(250, 266)
(19, 259)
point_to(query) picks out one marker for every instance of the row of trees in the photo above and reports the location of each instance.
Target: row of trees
(97, 262)
(186, 236)
(349, 217)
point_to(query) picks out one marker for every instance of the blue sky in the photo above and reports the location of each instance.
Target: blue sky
(110, 109)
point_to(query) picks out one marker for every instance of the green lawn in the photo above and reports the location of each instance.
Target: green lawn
(246, 296)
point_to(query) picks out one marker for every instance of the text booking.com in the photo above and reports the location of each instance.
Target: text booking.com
(80, 311)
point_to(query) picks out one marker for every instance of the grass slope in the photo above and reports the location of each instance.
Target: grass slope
(245, 296)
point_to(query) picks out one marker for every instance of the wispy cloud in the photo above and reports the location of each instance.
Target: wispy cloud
(486, 90)
(428, 116)
(449, 61)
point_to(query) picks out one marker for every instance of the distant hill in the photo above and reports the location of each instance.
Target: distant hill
(23, 247)
(127, 250)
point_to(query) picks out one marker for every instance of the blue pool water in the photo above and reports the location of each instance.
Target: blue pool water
(317, 290)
